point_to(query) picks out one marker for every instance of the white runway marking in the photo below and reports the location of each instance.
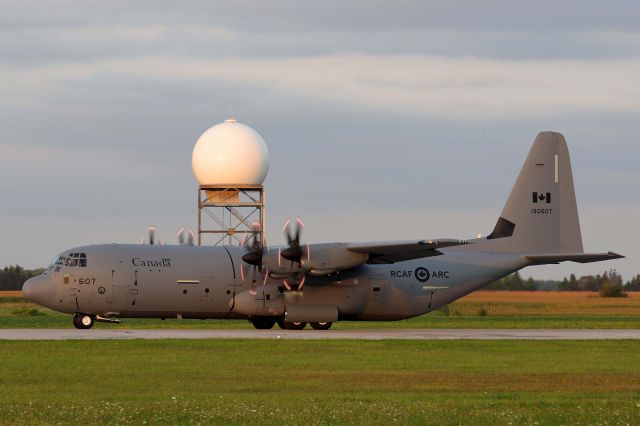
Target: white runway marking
(403, 334)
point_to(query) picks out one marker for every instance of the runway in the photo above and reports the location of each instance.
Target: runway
(371, 334)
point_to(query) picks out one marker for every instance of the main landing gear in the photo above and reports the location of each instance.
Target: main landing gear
(321, 325)
(296, 325)
(263, 323)
(83, 322)
(267, 323)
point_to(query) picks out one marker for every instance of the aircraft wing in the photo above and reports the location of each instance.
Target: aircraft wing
(545, 259)
(327, 258)
(398, 251)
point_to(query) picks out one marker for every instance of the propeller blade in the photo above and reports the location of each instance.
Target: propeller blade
(299, 226)
(180, 236)
(279, 257)
(152, 234)
(294, 252)
(253, 256)
(287, 232)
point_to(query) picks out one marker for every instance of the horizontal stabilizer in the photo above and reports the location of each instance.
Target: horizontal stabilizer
(545, 259)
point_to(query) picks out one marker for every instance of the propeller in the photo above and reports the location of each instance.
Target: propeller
(189, 240)
(294, 252)
(151, 231)
(253, 257)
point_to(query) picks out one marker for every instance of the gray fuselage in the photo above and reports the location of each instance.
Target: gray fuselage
(130, 281)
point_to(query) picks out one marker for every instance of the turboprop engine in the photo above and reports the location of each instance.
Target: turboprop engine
(297, 258)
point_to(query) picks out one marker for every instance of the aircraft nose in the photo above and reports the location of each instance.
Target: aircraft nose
(39, 290)
(27, 289)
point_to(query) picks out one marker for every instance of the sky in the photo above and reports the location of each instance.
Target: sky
(384, 120)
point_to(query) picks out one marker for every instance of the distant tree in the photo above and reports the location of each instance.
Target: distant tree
(565, 286)
(590, 283)
(513, 282)
(573, 282)
(611, 285)
(633, 284)
(530, 284)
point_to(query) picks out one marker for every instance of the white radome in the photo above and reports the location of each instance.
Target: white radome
(230, 153)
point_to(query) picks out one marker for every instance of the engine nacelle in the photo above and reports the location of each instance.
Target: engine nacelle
(319, 259)
(327, 258)
(261, 301)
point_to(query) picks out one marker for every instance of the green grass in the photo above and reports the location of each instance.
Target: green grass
(320, 382)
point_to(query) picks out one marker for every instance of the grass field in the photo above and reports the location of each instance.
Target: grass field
(327, 382)
(482, 309)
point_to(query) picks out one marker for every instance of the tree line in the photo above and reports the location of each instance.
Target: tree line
(608, 284)
(12, 277)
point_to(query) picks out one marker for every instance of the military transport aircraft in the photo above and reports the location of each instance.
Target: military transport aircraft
(323, 283)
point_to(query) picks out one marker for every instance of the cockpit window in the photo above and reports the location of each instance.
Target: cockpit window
(73, 260)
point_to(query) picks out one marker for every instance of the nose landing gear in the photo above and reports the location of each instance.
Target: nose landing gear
(83, 322)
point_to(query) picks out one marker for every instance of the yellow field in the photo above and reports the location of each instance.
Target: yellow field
(545, 302)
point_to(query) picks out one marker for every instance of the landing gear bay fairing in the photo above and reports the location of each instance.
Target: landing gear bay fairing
(322, 283)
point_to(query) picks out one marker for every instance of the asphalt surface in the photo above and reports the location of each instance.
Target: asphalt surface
(419, 334)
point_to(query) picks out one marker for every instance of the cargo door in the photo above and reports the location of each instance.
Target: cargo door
(120, 291)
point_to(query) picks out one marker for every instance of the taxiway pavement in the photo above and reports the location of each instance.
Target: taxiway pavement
(370, 334)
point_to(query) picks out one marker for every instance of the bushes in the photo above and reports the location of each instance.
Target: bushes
(612, 285)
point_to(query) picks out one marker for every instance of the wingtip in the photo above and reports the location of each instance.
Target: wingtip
(615, 255)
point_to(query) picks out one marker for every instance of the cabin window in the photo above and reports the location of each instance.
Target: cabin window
(376, 288)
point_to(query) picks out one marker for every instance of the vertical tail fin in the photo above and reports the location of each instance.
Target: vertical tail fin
(541, 215)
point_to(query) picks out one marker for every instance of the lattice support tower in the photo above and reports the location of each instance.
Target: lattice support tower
(229, 213)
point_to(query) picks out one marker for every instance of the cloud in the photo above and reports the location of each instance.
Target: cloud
(415, 85)
(355, 15)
